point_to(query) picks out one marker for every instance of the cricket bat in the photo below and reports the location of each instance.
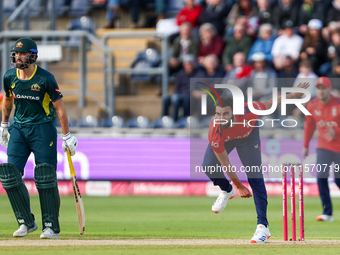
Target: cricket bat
(77, 196)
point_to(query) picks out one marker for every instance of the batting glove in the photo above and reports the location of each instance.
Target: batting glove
(70, 143)
(4, 135)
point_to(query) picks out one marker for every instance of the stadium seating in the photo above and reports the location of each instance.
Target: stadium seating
(113, 122)
(71, 122)
(9, 6)
(188, 122)
(164, 122)
(138, 122)
(88, 121)
(83, 23)
(78, 8)
(148, 58)
(206, 122)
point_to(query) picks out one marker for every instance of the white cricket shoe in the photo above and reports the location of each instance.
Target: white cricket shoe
(23, 230)
(325, 217)
(222, 200)
(261, 234)
(49, 234)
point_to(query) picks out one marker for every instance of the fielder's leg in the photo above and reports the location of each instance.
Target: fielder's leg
(46, 181)
(324, 157)
(19, 198)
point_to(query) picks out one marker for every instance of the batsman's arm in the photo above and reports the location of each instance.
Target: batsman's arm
(62, 115)
(224, 160)
(7, 105)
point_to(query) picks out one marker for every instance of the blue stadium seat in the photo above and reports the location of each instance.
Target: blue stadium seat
(9, 6)
(71, 122)
(206, 122)
(188, 122)
(79, 8)
(34, 8)
(114, 122)
(148, 58)
(83, 24)
(88, 121)
(164, 122)
(173, 7)
(59, 7)
(138, 122)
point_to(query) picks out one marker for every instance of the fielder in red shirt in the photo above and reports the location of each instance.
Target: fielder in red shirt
(325, 110)
(227, 132)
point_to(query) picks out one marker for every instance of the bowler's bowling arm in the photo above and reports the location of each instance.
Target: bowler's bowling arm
(224, 160)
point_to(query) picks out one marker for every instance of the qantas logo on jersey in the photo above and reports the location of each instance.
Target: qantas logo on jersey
(58, 90)
(24, 97)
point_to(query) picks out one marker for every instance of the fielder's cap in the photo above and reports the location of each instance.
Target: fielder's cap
(258, 56)
(25, 44)
(288, 24)
(315, 24)
(188, 58)
(324, 81)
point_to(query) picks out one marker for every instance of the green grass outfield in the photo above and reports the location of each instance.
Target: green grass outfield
(172, 218)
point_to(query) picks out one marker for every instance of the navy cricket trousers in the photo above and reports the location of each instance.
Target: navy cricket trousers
(249, 151)
(326, 157)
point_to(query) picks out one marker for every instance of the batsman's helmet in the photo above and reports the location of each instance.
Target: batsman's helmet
(25, 44)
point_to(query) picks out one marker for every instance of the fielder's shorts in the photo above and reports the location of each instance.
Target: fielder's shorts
(41, 139)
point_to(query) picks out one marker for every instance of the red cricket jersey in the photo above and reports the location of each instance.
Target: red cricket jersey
(322, 118)
(218, 136)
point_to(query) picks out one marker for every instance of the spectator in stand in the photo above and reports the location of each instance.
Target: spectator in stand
(306, 72)
(190, 13)
(288, 44)
(211, 42)
(211, 68)
(240, 42)
(183, 45)
(263, 78)
(335, 74)
(135, 6)
(237, 76)
(332, 20)
(283, 11)
(240, 68)
(287, 75)
(332, 53)
(263, 10)
(214, 13)
(241, 8)
(314, 47)
(181, 96)
(310, 9)
(289, 69)
(333, 13)
(112, 13)
(212, 71)
(264, 44)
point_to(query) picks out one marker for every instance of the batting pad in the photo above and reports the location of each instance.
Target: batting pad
(45, 178)
(17, 194)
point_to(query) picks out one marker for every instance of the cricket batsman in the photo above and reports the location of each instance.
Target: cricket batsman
(223, 138)
(325, 110)
(37, 99)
